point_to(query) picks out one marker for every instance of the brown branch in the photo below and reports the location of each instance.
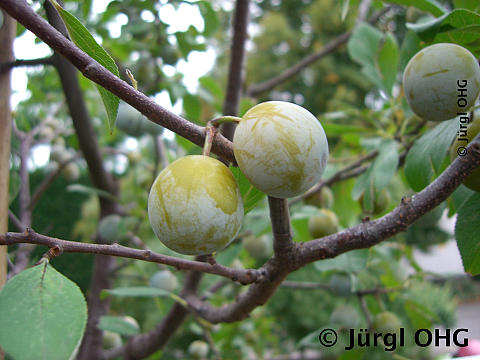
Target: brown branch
(244, 276)
(21, 62)
(282, 233)
(333, 45)
(236, 66)
(92, 70)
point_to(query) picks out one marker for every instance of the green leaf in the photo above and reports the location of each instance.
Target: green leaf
(459, 26)
(388, 62)
(118, 325)
(209, 84)
(363, 47)
(473, 5)
(345, 8)
(419, 315)
(425, 158)
(90, 191)
(410, 46)
(192, 107)
(250, 195)
(85, 41)
(467, 233)
(43, 315)
(431, 6)
(379, 174)
(458, 199)
(136, 291)
(350, 262)
(210, 18)
(377, 53)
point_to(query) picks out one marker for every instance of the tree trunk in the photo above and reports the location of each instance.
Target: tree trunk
(7, 35)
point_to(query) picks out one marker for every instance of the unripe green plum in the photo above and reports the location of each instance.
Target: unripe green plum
(131, 321)
(346, 316)
(111, 340)
(433, 77)
(164, 280)
(380, 203)
(133, 123)
(195, 206)
(258, 247)
(473, 180)
(58, 153)
(109, 228)
(71, 172)
(323, 224)
(341, 284)
(386, 322)
(198, 349)
(321, 199)
(281, 148)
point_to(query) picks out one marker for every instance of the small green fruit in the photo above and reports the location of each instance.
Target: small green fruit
(386, 322)
(341, 284)
(380, 204)
(71, 172)
(198, 349)
(164, 280)
(433, 77)
(195, 206)
(322, 199)
(281, 148)
(109, 228)
(458, 147)
(258, 247)
(323, 224)
(111, 340)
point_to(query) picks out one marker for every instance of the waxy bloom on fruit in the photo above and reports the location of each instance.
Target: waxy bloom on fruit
(195, 206)
(281, 148)
(440, 81)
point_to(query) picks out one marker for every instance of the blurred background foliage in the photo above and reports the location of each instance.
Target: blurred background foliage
(356, 94)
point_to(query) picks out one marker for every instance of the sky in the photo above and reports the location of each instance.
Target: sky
(196, 65)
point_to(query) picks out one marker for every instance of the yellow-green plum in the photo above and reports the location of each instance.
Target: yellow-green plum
(321, 199)
(386, 322)
(281, 148)
(258, 247)
(111, 340)
(440, 81)
(164, 280)
(382, 200)
(198, 349)
(195, 206)
(459, 147)
(323, 224)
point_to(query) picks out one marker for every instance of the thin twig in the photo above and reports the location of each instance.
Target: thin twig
(246, 276)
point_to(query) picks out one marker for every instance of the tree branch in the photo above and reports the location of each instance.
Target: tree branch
(244, 276)
(236, 67)
(256, 89)
(30, 62)
(92, 70)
